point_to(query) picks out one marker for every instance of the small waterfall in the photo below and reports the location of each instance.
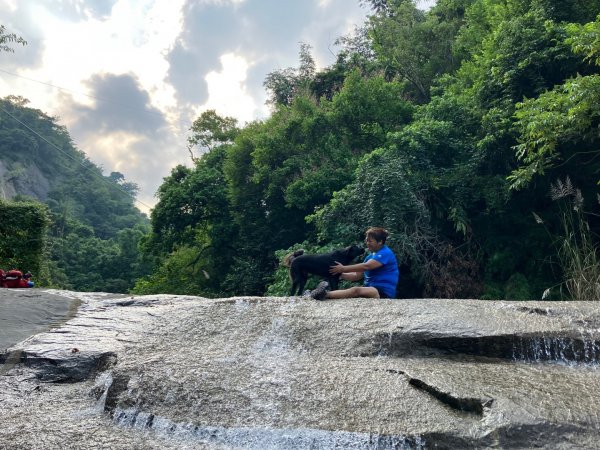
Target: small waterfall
(584, 349)
(262, 438)
(103, 384)
(531, 347)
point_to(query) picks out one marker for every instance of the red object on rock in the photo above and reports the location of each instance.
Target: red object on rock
(13, 279)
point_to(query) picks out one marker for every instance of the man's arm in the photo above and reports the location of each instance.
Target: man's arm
(352, 276)
(362, 267)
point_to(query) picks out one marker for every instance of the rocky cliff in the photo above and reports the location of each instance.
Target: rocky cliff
(184, 372)
(21, 180)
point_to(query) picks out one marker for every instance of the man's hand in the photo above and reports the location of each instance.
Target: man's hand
(338, 268)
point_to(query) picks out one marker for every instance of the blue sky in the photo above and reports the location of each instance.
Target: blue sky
(128, 77)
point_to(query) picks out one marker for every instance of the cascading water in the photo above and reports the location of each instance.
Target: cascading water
(272, 373)
(565, 350)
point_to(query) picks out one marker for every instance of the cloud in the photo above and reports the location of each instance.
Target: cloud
(265, 33)
(128, 77)
(228, 95)
(132, 112)
(81, 9)
(129, 135)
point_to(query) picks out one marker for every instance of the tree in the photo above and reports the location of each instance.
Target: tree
(561, 125)
(379, 6)
(415, 45)
(192, 230)
(119, 179)
(9, 38)
(210, 130)
(286, 84)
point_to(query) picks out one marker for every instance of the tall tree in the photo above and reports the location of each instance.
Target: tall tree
(9, 38)
(415, 45)
(561, 125)
(209, 130)
(286, 84)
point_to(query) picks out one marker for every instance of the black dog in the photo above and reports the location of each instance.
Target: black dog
(302, 265)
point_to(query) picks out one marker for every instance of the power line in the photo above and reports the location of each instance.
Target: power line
(97, 175)
(81, 93)
(175, 127)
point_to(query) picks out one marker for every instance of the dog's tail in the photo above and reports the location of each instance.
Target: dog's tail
(287, 260)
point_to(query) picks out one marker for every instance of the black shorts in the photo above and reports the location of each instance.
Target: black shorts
(382, 294)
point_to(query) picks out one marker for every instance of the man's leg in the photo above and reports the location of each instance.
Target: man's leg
(354, 292)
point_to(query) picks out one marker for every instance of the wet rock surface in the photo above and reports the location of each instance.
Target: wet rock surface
(24, 312)
(184, 372)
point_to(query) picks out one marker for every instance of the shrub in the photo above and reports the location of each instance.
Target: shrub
(576, 246)
(23, 236)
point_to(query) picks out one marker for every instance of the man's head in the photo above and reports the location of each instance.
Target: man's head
(377, 234)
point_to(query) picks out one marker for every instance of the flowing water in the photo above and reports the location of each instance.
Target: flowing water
(24, 312)
(162, 372)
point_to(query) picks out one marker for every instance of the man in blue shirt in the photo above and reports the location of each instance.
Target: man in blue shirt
(379, 270)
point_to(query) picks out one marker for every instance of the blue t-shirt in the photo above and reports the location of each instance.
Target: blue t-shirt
(384, 277)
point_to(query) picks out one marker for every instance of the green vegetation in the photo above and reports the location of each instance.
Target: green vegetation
(577, 249)
(86, 235)
(447, 127)
(23, 228)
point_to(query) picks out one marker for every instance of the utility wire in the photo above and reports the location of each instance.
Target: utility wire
(100, 176)
(80, 93)
(175, 127)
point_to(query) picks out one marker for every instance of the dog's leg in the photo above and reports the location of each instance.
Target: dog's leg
(334, 282)
(295, 278)
(301, 284)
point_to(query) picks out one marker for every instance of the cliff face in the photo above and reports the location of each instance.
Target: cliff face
(185, 372)
(23, 180)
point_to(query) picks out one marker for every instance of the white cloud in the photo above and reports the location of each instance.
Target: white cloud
(110, 150)
(135, 73)
(227, 93)
(11, 5)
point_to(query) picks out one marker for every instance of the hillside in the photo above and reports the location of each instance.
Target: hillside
(95, 225)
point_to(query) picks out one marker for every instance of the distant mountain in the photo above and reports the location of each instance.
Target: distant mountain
(39, 160)
(93, 240)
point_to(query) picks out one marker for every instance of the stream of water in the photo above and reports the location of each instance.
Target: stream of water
(287, 373)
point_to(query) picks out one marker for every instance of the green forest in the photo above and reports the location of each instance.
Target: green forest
(469, 131)
(92, 228)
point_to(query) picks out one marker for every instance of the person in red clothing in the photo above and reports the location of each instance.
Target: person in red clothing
(15, 279)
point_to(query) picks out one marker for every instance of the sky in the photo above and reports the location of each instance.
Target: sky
(128, 77)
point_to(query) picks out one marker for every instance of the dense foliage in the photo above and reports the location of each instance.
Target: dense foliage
(452, 128)
(94, 228)
(447, 127)
(23, 229)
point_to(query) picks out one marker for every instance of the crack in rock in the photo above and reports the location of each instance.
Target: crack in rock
(470, 405)
(466, 404)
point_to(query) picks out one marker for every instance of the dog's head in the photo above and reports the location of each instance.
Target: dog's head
(353, 251)
(287, 260)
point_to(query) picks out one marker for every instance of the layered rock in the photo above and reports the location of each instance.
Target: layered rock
(185, 372)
